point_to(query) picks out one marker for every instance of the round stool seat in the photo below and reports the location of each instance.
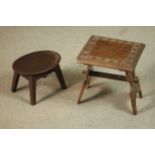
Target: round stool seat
(36, 63)
(34, 66)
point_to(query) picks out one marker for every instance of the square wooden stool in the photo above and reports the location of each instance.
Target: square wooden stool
(115, 54)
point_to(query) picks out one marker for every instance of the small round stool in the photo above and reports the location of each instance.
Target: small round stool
(34, 66)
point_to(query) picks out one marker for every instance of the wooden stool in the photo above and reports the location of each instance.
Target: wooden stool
(116, 54)
(34, 66)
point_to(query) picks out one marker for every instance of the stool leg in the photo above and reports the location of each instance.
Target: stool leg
(32, 85)
(15, 81)
(89, 77)
(133, 93)
(139, 88)
(136, 80)
(133, 90)
(84, 84)
(140, 92)
(88, 83)
(60, 77)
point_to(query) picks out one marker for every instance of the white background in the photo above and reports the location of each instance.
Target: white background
(77, 142)
(83, 13)
(77, 12)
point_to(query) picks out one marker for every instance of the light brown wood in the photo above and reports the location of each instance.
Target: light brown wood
(85, 83)
(116, 54)
(111, 53)
(133, 90)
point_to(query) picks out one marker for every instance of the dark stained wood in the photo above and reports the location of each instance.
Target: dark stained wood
(36, 63)
(32, 85)
(60, 77)
(34, 66)
(116, 54)
(15, 81)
